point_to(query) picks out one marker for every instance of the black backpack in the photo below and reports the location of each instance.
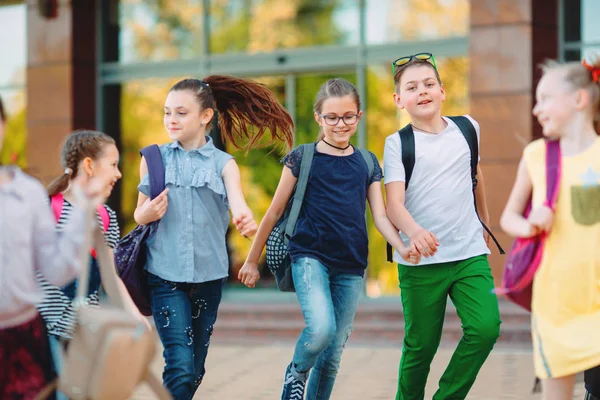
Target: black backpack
(407, 139)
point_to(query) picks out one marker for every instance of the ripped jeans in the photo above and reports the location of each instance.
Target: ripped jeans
(184, 314)
(328, 301)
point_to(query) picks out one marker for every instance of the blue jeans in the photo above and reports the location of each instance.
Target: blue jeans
(328, 301)
(184, 314)
(56, 350)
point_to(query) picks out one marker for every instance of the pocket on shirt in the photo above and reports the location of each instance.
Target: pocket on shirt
(585, 204)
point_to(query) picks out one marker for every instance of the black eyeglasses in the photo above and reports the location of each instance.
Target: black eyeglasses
(419, 56)
(333, 120)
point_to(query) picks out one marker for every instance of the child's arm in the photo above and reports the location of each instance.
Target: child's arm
(512, 221)
(481, 203)
(148, 210)
(241, 213)
(249, 272)
(480, 198)
(421, 240)
(385, 227)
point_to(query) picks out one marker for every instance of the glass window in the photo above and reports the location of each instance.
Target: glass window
(159, 30)
(13, 68)
(14, 46)
(590, 30)
(392, 21)
(264, 25)
(383, 119)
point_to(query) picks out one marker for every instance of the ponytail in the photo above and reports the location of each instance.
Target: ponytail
(246, 110)
(59, 184)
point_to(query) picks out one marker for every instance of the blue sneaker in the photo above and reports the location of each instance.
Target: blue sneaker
(293, 384)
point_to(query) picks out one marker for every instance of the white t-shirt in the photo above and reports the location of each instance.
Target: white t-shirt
(440, 192)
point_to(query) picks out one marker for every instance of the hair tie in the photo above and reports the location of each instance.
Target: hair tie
(68, 171)
(594, 70)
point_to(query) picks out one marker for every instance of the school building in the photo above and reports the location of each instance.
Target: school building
(108, 64)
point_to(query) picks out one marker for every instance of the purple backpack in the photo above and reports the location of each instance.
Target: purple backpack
(525, 256)
(130, 252)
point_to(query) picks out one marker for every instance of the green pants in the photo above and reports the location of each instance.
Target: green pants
(424, 292)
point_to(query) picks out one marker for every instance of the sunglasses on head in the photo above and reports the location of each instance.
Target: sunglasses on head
(419, 56)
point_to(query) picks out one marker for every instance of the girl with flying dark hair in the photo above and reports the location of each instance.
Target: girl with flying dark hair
(187, 261)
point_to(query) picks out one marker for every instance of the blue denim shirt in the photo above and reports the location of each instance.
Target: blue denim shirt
(189, 245)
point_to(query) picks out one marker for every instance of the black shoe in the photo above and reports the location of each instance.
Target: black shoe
(293, 384)
(589, 396)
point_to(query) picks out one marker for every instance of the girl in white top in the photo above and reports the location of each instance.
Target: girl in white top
(28, 243)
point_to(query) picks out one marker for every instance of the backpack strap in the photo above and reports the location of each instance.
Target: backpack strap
(156, 169)
(553, 172)
(468, 130)
(103, 212)
(305, 164)
(369, 160)
(407, 141)
(56, 203)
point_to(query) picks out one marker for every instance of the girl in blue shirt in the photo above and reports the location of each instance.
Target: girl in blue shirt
(187, 260)
(330, 244)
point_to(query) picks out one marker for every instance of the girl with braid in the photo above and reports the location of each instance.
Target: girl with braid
(187, 261)
(85, 155)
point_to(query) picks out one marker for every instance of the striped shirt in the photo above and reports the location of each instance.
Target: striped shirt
(56, 308)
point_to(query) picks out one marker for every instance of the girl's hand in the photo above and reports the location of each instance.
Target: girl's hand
(153, 210)
(244, 223)
(409, 255)
(424, 242)
(249, 274)
(90, 189)
(541, 218)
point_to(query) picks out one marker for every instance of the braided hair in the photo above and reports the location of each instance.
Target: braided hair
(79, 145)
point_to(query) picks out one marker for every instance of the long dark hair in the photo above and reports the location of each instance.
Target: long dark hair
(247, 110)
(79, 145)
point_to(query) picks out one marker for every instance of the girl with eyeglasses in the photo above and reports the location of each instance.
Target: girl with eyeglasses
(329, 246)
(436, 213)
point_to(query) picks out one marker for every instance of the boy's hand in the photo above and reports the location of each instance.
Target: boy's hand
(409, 255)
(541, 218)
(249, 274)
(244, 223)
(424, 242)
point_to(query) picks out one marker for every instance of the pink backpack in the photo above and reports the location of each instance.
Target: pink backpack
(57, 201)
(525, 257)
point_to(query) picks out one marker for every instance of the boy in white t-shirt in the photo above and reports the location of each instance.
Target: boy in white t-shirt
(436, 212)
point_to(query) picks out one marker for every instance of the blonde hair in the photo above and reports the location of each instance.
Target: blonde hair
(581, 77)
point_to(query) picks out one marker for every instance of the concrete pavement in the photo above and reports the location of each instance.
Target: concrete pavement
(255, 372)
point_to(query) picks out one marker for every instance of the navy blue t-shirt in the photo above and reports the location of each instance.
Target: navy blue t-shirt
(331, 227)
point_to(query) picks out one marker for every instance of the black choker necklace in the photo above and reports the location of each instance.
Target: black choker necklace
(336, 147)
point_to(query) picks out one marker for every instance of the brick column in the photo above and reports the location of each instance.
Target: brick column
(60, 80)
(508, 39)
